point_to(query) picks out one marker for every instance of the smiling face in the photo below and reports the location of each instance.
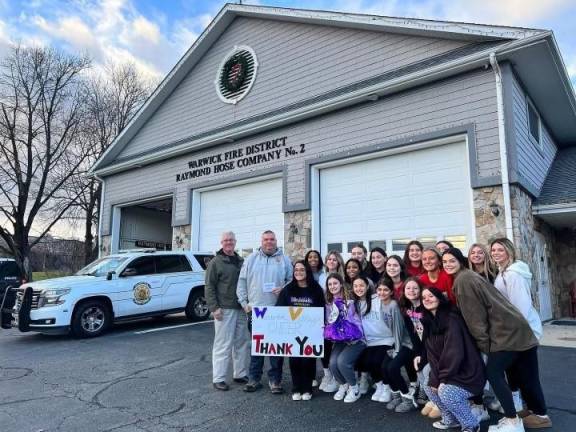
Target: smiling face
(384, 293)
(378, 261)
(393, 268)
(450, 264)
(414, 253)
(352, 269)
(313, 261)
(334, 286)
(430, 261)
(359, 288)
(228, 243)
(269, 243)
(499, 255)
(430, 301)
(332, 263)
(300, 272)
(476, 255)
(412, 291)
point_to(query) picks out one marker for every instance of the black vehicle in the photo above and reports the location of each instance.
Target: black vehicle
(10, 277)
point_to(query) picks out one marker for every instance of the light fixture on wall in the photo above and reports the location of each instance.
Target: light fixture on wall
(494, 208)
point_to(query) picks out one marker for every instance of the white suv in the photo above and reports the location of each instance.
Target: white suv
(118, 287)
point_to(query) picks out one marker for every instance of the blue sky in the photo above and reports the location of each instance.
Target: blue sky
(155, 33)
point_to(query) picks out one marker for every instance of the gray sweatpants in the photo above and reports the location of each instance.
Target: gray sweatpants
(231, 342)
(343, 359)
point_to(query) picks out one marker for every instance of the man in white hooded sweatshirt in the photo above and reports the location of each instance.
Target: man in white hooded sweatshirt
(514, 281)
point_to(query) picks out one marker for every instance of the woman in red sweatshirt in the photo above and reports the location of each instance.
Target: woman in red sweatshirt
(413, 258)
(435, 276)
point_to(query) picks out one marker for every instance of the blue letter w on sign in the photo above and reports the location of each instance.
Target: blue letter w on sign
(260, 312)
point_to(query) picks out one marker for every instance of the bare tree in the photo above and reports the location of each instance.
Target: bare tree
(42, 115)
(112, 99)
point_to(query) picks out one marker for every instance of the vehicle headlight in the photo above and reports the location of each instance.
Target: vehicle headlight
(52, 297)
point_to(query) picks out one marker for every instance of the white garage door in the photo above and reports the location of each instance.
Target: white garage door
(247, 209)
(423, 194)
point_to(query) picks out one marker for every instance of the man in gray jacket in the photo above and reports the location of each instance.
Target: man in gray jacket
(231, 336)
(262, 277)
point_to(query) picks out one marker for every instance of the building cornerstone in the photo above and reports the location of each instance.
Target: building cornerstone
(181, 237)
(297, 233)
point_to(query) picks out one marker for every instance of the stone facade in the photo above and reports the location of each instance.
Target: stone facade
(105, 245)
(564, 261)
(182, 237)
(489, 214)
(297, 233)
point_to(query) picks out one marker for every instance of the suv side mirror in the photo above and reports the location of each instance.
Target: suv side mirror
(129, 271)
(110, 274)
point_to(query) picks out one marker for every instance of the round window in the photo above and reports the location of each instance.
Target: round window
(236, 74)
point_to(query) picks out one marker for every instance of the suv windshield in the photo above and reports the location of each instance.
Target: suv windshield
(102, 266)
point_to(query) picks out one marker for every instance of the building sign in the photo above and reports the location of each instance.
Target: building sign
(288, 331)
(253, 154)
(152, 244)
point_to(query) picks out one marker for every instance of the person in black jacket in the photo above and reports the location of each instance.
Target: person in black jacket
(302, 291)
(456, 368)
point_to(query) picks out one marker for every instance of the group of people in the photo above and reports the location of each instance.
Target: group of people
(432, 327)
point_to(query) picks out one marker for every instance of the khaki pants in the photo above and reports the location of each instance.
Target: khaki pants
(231, 343)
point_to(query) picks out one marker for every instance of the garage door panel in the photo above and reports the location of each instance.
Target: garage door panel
(423, 193)
(247, 209)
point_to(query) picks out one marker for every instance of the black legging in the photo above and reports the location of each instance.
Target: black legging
(524, 367)
(391, 370)
(371, 361)
(327, 351)
(409, 366)
(303, 371)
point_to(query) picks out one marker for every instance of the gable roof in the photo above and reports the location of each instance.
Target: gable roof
(560, 184)
(505, 41)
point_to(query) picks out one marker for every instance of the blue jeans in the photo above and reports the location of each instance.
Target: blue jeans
(257, 366)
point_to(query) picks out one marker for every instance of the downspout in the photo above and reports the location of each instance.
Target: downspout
(100, 213)
(503, 147)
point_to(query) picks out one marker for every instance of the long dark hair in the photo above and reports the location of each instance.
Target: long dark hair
(360, 271)
(368, 295)
(320, 262)
(437, 324)
(402, 266)
(310, 282)
(407, 250)
(404, 303)
(343, 290)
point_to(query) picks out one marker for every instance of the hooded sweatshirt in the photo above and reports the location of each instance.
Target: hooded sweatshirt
(514, 283)
(260, 269)
(384, 325)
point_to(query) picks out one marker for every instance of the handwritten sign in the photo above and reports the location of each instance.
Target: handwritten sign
(288, 331)
(253, 154)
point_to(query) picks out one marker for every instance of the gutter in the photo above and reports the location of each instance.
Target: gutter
(503, 146)
(362, 95)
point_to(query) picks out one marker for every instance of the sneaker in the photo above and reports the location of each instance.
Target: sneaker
(494, 405)
(480, 412)
(306, 396)
(275, 388)
(524, 413)
(332, 386)
(435, 413)
(241, 380)
(342, 389)
(386, 395)
(507, 424)
(364, 383)
(221, 386)
(413, 388)
(252, 386)
(534, 421)
(421, 397)
(314, 383)
(441, 425)
(379, 388)
(353, 394)
(408, 404)
(471, 429)
(394, 401)
(296, 396)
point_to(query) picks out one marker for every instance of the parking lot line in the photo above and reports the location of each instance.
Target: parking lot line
(172, 327)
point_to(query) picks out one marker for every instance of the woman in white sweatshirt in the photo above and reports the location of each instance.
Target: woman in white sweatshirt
(514, 281)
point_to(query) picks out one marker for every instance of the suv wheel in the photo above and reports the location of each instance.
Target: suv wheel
(196, 308)
(91, 319)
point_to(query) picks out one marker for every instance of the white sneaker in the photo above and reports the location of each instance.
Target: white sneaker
(342, 389)
(518, 404)
(413, 388)
(376, 396)
(364, 383)
(508, 425)
(296, 396)
(353, 394)
(326, 379)
(480, 412)
(331, 386)
(306, 396)
(494, 405)
(386, 395)
(314, 383)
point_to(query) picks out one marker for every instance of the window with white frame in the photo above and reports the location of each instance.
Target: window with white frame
(534, 124)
